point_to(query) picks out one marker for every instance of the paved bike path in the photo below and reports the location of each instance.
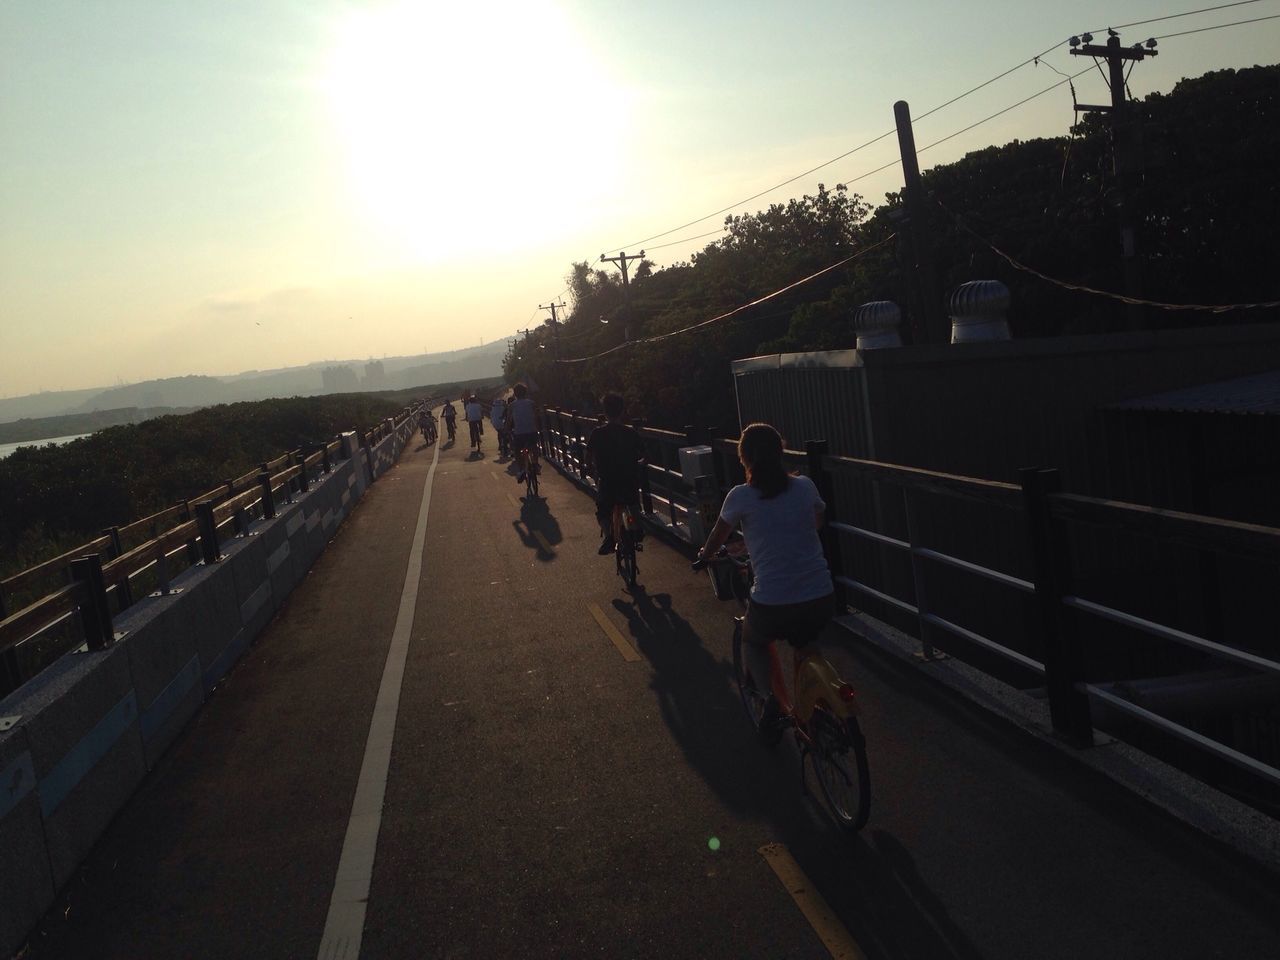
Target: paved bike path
(549, 797)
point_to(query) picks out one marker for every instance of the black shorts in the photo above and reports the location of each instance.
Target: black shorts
(608, 497)
(797, 623)
(525, 441)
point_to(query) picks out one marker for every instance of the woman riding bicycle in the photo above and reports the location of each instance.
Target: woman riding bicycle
(793, 596)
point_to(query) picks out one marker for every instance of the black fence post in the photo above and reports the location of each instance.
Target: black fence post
(303, 483)
(1051, 565)
(268, 497)
(95, 614)
(646, 494)
(814, 451)
(124, 593)
(324, 454)
(193, 548)
(208, 533)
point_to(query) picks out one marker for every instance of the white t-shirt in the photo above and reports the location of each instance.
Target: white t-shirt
(475, 411)
(523, 419)
(786, 553)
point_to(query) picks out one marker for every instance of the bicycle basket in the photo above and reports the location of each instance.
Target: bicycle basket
(723, 576)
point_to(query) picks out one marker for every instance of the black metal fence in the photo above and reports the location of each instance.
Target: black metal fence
(1034, 622)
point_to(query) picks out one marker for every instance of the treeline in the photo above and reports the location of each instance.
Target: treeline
(40, 428)
(1208, 201)
(55, 497)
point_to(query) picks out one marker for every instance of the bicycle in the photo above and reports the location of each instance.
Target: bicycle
(451, 426)
(626, 541)
(529, 457)
(823, 715)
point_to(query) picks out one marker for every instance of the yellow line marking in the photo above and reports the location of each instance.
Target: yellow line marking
(492, 474)
(626, 649)
(811, 903)
(542, 541)
(514, 501)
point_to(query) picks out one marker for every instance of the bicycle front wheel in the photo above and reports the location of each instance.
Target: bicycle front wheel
(755, 694)
(839, 752)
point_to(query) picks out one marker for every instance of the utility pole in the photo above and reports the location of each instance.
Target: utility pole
(555, 344)
(1124, 156)
(928, 320)
(621, 259)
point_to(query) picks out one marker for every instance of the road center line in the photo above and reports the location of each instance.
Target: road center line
(543, 541)
(626, 649)
(811, 903)
(344, 926)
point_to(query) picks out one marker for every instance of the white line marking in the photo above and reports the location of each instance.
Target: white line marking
(344, 927)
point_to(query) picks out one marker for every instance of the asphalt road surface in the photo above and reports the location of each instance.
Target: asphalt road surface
(561, 788)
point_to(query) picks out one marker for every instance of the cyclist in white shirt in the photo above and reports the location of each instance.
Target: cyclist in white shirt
(498, 417)
(793, 596)
(524, 429)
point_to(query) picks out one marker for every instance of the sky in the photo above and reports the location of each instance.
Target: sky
(212, 187)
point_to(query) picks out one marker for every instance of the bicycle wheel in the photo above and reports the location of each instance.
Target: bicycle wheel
(531, 480)
(627, 560)
(839, 752)
(754, 695)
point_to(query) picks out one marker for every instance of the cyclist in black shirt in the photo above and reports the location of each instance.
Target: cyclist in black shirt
(616, 454)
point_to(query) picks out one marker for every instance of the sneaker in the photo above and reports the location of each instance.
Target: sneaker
(606, 546)
(772, 722)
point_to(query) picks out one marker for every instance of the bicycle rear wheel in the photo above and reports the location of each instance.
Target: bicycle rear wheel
(839, 752)
(627, 559)
(754, 695)
(531, 480)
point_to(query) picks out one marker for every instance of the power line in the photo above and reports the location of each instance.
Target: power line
(1175, 16)
(1220, 26)
(736, 310)
(942, 106)
(1081, 288)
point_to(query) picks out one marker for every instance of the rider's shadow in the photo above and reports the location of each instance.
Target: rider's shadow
(698, 702)
(538, 528)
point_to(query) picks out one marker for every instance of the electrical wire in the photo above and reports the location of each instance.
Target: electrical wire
(1093, 291)
(657, 338)
(941, 106)
(1175, 16)
(676, 243)
(1220, 26)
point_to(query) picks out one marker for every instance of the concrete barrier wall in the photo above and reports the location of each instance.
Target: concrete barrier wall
(76, 741)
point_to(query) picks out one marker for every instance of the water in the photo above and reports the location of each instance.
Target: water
(8, 448)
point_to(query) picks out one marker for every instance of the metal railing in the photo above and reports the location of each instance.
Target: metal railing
(1058, 615)
(112, 572)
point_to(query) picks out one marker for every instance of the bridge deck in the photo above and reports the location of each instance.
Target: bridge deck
(548, 797)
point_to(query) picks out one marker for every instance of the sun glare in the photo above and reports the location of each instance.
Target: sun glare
(462, 123)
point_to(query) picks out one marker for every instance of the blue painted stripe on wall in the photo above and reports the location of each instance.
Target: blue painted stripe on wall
(81, 758)
(162, 707)
(253, 603)
(226, 659)
(278, 556)
(16, 781)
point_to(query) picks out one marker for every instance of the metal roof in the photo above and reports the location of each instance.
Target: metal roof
(1258, 394)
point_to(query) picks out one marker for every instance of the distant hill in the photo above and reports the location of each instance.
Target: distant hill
(313, 379)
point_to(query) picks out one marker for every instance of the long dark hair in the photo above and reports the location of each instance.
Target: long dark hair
(760, 450)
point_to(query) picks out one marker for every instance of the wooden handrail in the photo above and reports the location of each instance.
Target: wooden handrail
(1232, 536)
(21, 579)
(31, 619)
(970, 488)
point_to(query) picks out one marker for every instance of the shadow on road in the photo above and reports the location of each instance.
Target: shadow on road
(870, 880)
(538, 528)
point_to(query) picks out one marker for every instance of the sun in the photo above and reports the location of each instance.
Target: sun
(456, 122)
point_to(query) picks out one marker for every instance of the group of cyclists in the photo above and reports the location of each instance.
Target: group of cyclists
(792, 596)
